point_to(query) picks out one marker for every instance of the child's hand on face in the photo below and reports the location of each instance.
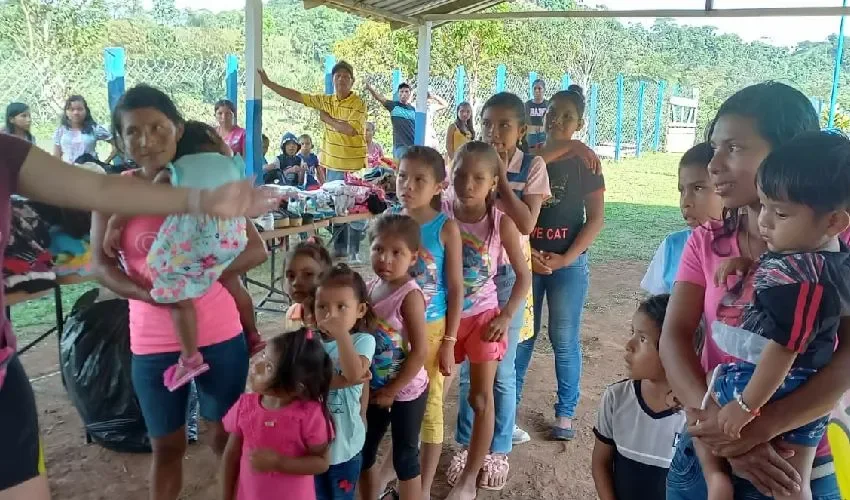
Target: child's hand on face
(333, 326)
(503, 162)
(498, 329)
(267, 460)
(737, 266)
(732, 419)
(446, 357)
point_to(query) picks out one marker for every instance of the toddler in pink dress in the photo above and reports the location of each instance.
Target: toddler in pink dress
(280, 434)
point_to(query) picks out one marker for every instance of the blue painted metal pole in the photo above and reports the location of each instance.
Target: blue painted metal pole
(532, 76)
(836, 71)
(592, 119)
(253, 89)
(113, 59)
(639, 125)
(460, 85)
(423, 78)
(618, 129)
(232, 71)
(330, 62)
(396, 83)
(566, 81)
(501, 77)
(659, 110)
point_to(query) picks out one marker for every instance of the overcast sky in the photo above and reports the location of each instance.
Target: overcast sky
(777, 30)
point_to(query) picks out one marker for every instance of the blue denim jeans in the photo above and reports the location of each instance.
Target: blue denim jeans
(686, 482)
(565, 291)
(504, 387)
(218, 389)
(341, 233)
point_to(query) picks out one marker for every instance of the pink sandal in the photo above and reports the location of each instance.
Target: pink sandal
(494, 472)
(456, 466)
(176, 376)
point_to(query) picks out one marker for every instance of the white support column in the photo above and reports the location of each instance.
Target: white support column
(253, 88)
(423, 77)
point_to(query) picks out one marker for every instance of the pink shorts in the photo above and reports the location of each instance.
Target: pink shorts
(471, 346)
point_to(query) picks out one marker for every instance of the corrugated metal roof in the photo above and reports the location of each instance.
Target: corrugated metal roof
(401, 13)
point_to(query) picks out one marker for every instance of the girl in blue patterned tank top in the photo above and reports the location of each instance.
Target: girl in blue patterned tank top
(439, 273)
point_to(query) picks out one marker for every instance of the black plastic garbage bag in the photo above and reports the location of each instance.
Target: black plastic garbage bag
(94, 351)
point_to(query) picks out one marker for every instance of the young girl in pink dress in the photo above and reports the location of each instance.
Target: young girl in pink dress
(280, 433)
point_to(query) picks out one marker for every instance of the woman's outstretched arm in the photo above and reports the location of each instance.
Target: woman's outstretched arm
(47, 179)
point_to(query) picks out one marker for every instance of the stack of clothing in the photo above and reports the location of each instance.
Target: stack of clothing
(45, 242)
(28, 264)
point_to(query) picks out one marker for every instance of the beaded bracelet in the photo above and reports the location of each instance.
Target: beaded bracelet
(740, 399)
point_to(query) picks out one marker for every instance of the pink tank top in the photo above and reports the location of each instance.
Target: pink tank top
(481, 247)
(151, 327)
(392, 341)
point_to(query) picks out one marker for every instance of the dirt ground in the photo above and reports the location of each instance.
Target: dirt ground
(539, 469)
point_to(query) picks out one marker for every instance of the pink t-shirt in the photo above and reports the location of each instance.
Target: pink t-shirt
(482, 254)
(376, 154)
(151, 327)
(289, 431)
(235, 140)
(698, 266)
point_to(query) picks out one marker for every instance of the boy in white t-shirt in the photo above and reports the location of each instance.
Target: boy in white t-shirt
(639, 420)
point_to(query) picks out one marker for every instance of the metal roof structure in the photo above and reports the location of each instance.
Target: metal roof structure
(409, 13)
(405, 13)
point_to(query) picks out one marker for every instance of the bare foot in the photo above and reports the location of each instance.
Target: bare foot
(463, 492)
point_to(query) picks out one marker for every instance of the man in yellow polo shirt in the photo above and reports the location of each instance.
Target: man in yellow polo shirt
(344, 115)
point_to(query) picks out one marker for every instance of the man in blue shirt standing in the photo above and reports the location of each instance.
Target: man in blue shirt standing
(402, 115)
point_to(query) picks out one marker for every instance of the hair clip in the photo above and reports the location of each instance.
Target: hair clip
(312, 239)
(309, 334)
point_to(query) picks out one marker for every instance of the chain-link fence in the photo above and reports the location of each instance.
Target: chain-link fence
(45, 83)
(195, 84)
(612, 117)
(623, 116)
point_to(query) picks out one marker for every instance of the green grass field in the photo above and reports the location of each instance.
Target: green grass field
(641, 208)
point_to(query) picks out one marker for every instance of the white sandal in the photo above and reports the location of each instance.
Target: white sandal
(456, 466)
(495, 467)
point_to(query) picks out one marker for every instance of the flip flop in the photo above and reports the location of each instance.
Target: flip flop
(178, 375)
(389, 493)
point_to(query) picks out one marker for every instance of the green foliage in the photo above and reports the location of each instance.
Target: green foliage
(53, 48)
